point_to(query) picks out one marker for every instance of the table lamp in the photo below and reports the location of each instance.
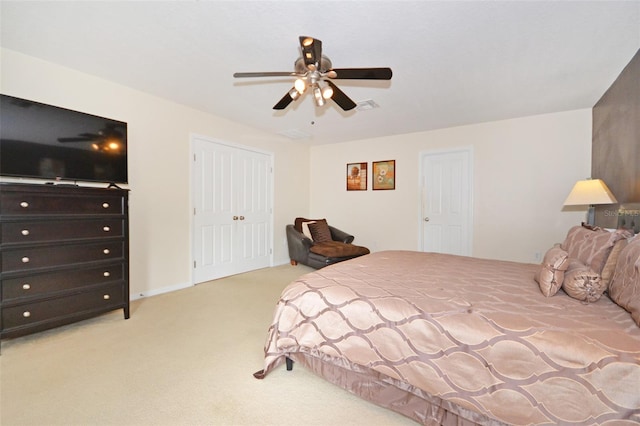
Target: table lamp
(590, 192)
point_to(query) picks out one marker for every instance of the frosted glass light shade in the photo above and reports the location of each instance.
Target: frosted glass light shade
(317, 94)
(300, 85)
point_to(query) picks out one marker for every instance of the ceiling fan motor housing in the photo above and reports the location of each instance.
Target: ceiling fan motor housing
(301, 68)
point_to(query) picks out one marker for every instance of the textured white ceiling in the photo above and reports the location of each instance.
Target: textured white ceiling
(454, 62)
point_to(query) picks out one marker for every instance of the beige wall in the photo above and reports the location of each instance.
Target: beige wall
(523, 170)
(159, 167)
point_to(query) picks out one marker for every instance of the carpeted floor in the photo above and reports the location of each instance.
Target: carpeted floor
(183, 358)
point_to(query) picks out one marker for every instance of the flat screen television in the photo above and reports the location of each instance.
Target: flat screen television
(47, 142)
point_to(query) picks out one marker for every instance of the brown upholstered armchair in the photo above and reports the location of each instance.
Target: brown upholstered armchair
(322, 245)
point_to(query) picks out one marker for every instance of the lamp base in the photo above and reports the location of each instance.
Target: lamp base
(591, 215)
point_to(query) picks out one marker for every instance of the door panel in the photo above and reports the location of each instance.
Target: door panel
(213, 218)
(446, 202)
(232, 210)
(254, 209)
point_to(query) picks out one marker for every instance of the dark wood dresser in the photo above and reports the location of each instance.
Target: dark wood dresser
(64, 252)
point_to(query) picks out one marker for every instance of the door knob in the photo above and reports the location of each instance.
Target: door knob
(235, 218)
(426, 219)
(241, 217)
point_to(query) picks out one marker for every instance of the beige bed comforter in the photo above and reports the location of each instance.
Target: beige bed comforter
(474, 334)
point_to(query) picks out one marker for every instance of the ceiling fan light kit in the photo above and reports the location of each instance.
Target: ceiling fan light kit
(314, 70)
(107, 139)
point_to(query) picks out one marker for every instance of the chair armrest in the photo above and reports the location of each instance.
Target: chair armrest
(298, 244)
(338, 235)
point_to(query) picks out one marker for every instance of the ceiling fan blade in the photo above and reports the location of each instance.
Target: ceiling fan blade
(264, 74)
(287, 99)
(65, 140)
(311, 52)
(361, 73)
(82, 137)
(340, 98)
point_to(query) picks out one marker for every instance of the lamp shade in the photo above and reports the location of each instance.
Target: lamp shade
(590, 192)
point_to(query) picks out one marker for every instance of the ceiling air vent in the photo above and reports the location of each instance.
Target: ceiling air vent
(366, 105)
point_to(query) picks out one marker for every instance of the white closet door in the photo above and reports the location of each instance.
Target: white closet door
(447, 202)
(253, 209)
(232, 210)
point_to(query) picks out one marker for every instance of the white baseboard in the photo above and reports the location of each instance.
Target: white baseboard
(284, 262)
(175, 287)
(157, 291)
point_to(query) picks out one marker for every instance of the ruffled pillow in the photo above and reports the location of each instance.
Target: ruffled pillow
(551, 272)
(583, 283)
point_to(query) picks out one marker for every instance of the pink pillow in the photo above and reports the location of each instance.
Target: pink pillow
(583, 283)
(610, 265)
(624, 288)
(592, 245)
(551, 272)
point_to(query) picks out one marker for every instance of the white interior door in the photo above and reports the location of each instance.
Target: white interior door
(447, 207)
(231, 209)
(253, 209)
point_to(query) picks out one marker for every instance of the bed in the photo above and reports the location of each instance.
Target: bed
(447, 339)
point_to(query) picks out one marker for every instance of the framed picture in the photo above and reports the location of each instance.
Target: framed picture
(384, 175)
(357, 177)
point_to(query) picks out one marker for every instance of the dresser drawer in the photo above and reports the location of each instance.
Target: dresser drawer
(52, 203)
(60, 230)
(28, 258)
(105, 298)
(51, 282)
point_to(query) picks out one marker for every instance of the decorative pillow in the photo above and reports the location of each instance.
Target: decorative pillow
(297, 223)
(320, 231)
(582, 283)
(302, 225)
(305, 229)
(624, 288)
(551, 272)
(592, 245)
(610, 265)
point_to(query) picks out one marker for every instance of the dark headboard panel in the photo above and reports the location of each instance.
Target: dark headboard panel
(629, 217)
(615, 152)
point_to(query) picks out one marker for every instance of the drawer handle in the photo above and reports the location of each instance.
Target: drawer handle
(26, 314)
(106, 251)
(105, 205)
(106, 297)
(25, 259)
(24, 204)
(106, 228)
(26, 286)
(25, 232)
(106, 273)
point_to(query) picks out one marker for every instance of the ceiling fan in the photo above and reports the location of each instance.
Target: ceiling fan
(107, 139)
(314, 72)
